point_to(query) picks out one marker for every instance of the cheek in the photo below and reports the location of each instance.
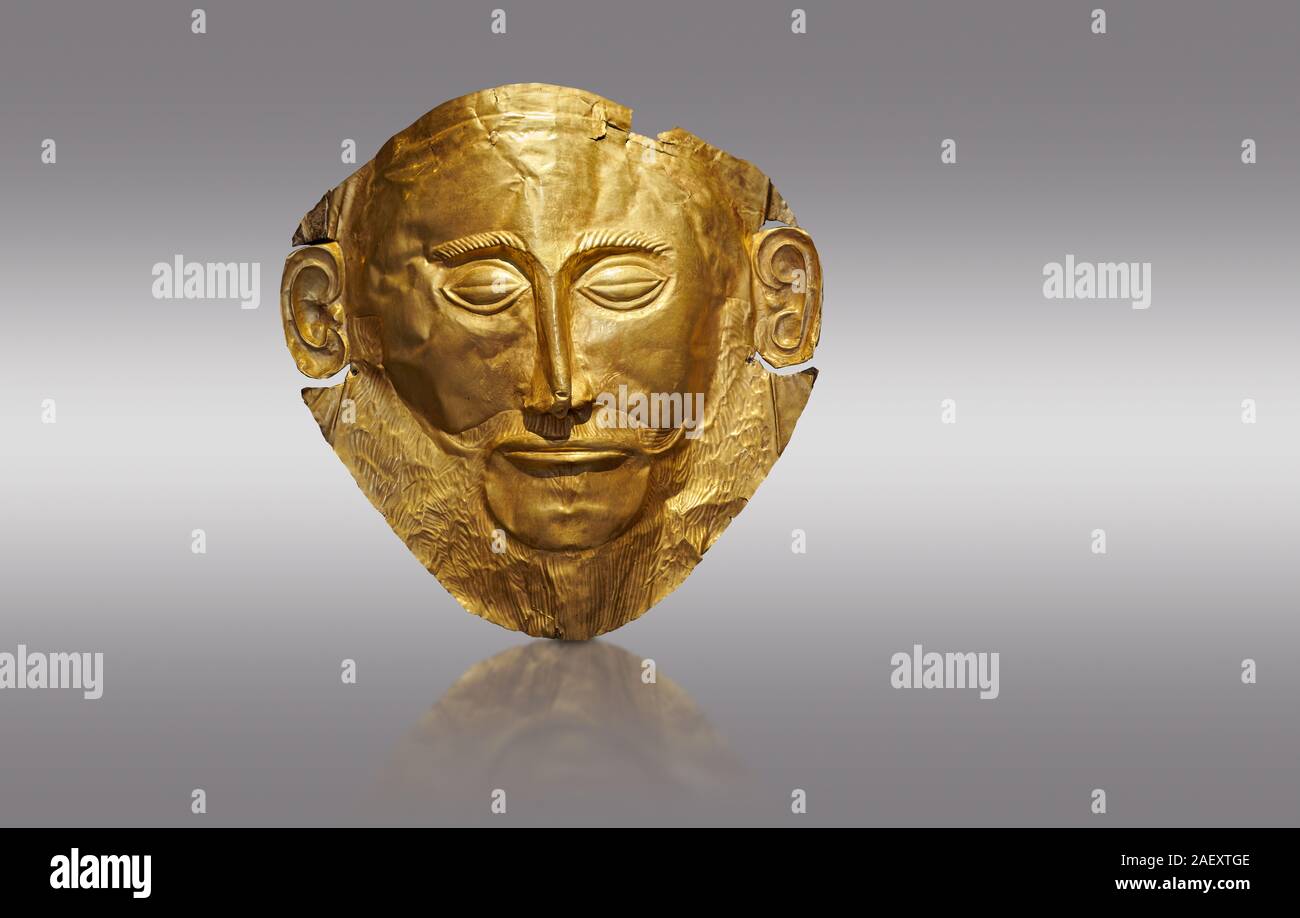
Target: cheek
(666, 347)
(456, 368)
(646, 350)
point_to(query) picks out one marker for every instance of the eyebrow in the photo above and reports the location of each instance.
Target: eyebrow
(466, 244)
(593, 239)
(622, 239)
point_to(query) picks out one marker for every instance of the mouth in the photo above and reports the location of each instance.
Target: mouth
(563, 458)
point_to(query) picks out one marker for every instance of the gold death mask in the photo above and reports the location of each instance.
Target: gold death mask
(552, 329)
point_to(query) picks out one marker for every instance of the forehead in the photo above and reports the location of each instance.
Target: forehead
(546, 183)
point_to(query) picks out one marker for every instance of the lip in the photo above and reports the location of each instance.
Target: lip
(563, 458)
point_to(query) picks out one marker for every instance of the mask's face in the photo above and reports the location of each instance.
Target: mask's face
(552, 325)
(531, 276)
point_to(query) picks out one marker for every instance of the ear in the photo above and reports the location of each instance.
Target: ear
(312, 308)
(787, 295)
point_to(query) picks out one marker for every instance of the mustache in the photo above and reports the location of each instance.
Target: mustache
(523, 429)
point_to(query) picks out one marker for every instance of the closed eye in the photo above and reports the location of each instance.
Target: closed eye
(484, 287)
(622, 283)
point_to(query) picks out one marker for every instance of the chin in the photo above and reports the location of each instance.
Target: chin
(567, 501)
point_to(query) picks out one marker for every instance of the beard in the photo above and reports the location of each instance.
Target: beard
(432, 488)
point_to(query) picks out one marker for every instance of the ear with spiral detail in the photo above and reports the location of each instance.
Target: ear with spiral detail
(311, 305)
(787, 295)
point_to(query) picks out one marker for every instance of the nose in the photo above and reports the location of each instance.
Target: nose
(552, 387)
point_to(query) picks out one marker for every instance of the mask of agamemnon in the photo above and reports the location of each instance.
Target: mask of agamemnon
(551, 327)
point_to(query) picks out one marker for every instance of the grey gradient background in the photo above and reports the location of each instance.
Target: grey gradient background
(1119, 672)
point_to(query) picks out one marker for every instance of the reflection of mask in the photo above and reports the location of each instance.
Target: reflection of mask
(571, 731)
(551, 325)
